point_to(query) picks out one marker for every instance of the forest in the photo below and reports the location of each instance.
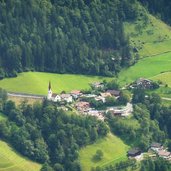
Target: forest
(161, 8)
(48, 135)
(61, 36)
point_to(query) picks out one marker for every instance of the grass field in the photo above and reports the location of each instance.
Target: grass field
(2, 117)
(165, 78)
(37, 82)
(11, 161)
(152, 39)
(114, 150)
(147, 68)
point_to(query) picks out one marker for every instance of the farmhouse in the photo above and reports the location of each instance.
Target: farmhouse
(97, 85)
(82, 106)
(143, 83)
(76, 94)
(164, 154)
(105, 94)
(66, 98)
(115, 93)
(156, 146)
(133, 153)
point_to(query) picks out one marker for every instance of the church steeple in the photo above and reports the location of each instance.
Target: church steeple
(49, 96)
(49, 87)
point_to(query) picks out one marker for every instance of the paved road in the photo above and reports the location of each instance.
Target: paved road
(166, 98)
(33, 96)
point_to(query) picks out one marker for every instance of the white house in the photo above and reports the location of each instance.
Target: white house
(56, 97)
(66, 97)
(156, 146)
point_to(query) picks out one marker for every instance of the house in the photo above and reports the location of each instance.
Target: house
(82, 106)
(66, 97)
(134, 153)
(156, 146)
(55, 97)
(106, 94)
(164, 154)
(100, 98)
(96, 113)
(97, 85)
(88, 95)
(143, 83)
(76, 94)
(115, 93)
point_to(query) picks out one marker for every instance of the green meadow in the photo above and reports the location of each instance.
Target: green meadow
(165, 78)
(37, 82)
(146, 67)
(12, 161)
(113, 148)
(152, 39)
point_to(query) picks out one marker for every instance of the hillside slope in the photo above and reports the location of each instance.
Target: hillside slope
(12, 161)
(150, 39)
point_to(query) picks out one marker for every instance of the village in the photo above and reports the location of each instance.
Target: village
(82, 103)
(93, 104)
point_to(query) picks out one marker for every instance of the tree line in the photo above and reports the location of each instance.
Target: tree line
(48, 135)
(61, 36)
(160, 8)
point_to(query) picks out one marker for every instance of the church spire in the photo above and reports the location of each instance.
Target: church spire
(49, 85)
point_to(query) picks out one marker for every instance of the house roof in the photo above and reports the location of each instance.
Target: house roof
(82, 104)
(105, 94)
(156, 145)
(65, 95)
(163, 153)
(77, 92)
(134, 151)
(54, 95)
(114, 92)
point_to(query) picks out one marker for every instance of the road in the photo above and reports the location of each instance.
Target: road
(23, 95)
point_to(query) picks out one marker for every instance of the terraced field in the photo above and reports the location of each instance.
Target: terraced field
(12, 161)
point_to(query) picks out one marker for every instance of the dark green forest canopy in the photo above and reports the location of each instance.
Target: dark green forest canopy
(75, 36)
(161, 8)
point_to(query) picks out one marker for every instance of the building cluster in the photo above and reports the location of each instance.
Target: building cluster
(143, 83)
(157, 148)
(160, 151)
(77, 98)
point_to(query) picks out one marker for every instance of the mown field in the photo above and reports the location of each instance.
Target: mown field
(113, 148)
(12, 161)
(37, 82)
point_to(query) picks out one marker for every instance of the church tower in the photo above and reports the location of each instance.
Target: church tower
(49, 96)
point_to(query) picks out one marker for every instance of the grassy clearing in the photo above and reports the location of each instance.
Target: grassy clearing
(2, 117)
(114, 150)
(151, 40)
(37, 82)
(11, 161)
(147, 68)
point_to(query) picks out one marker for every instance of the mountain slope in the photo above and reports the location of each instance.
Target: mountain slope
(65, 36)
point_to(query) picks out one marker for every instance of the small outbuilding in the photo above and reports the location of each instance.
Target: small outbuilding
(135, 152)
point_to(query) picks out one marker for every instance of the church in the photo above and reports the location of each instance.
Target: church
(56, 97)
